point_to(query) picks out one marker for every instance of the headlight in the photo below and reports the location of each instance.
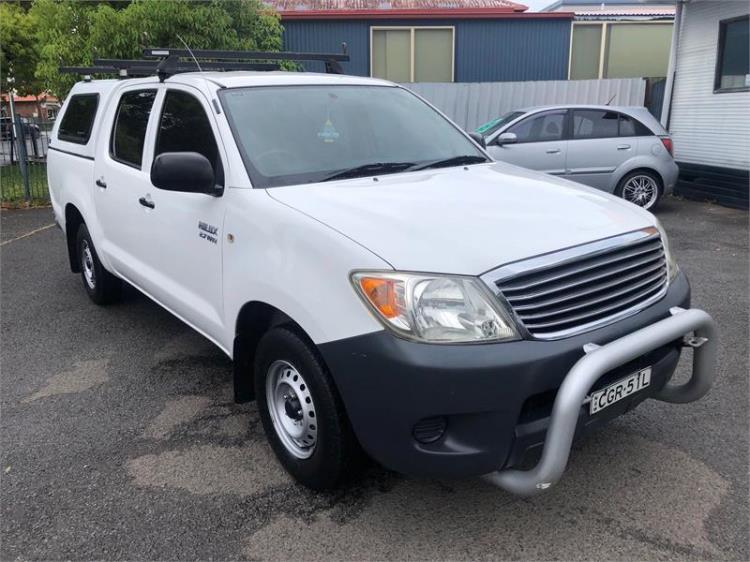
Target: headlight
(434, 308)
(672, 267)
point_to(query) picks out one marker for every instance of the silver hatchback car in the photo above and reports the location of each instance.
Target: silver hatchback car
(622, 150)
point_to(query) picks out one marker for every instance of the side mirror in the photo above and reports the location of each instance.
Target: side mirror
(506, 138)
(479, 139)
(184, 171)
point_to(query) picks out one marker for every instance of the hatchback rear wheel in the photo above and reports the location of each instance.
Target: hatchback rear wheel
(640, 188)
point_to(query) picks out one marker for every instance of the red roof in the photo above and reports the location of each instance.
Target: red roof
(26, 99)
(378, 9)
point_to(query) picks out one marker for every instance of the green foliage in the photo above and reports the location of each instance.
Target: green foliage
(18, 48)
(73, 33)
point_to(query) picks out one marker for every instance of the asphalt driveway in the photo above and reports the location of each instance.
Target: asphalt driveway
(120, 440)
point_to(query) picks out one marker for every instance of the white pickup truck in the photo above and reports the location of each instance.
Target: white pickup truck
(379, 282)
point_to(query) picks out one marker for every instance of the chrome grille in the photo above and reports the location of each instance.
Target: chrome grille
(581, 288)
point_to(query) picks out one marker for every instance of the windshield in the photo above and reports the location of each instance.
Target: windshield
(304, 134)
(491, 126)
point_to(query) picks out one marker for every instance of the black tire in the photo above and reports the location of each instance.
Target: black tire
(336, 454)
(102, 287)
(653, 176)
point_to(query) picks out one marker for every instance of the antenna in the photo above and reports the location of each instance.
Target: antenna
(189, 51)
(610, 99)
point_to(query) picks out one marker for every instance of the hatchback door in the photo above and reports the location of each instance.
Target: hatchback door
(595, 149)
(540, 143)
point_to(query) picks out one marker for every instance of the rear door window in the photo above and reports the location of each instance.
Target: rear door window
(129, 131)
(595, 124)
(78, 121)
(544, 127)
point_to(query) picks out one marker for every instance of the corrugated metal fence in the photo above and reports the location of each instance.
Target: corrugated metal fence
(472, 104)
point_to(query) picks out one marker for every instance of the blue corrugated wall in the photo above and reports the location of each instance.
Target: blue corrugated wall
(486, 50)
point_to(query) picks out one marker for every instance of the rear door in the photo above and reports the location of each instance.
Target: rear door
(540, 144)
(595, 149)
(121, 178)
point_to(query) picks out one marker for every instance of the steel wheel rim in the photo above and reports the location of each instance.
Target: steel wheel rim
(87, 263)
(641, 190)
(292, 409)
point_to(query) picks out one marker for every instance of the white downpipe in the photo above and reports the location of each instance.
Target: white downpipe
(669, 86)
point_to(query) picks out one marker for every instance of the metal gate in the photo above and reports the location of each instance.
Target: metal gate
(23, 157)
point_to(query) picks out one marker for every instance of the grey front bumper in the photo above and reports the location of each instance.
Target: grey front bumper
(598, 361)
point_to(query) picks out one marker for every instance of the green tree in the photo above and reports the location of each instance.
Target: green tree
(19, 54)
(74, 33)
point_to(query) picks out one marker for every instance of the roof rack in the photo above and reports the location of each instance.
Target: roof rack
(175, 61)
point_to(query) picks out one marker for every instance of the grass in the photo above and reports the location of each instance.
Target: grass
(12, 188)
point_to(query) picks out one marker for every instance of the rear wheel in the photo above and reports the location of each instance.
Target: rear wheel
(641, 188)
(302, 414)
(101, 286)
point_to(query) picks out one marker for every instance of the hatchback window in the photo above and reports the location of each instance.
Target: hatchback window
(184, 127)
(78, 120)
(545, 127)
(595, 124)
(630, 127)
(129, 132)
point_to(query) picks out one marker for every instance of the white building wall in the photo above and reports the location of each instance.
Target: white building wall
(707, 128)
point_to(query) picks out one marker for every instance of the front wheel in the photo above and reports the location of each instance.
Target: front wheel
(302, 414)
(640, 188)
(101, 286)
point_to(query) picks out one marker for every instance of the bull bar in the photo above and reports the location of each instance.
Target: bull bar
(597, 361)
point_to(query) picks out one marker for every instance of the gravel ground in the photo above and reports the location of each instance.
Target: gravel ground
(120, 440)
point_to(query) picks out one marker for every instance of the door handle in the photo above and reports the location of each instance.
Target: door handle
(623, 147)
(553, 151)
(146, 202)
(101, 183)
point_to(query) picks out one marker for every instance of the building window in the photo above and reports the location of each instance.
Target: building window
(619, 50)
(412, 54)
(732, 61)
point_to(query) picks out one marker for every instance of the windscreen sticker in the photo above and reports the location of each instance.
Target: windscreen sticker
(328, 133)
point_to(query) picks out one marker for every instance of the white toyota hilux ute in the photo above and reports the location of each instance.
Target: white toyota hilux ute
(380, 284)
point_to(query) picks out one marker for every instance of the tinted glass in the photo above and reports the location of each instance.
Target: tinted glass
(306, 133)
(184, 127)
(545, 127)
(734, 66)
(78, 120)
(630, 127)
(129, 132)
(594, 124)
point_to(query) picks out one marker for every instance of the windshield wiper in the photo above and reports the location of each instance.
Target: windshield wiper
(452, 161)
(366, 169)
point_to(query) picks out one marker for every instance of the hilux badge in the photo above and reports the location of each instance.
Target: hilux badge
(207, 231)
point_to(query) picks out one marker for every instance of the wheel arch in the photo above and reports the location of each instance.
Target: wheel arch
(73, 221)
(255, 318)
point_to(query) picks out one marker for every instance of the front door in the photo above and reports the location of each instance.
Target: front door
(539, 145)
(187, 228)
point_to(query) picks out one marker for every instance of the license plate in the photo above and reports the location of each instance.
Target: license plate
(619, 390)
